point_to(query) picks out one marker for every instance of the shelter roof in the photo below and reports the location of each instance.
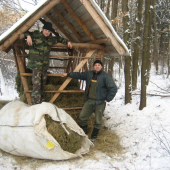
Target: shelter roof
(80, 21)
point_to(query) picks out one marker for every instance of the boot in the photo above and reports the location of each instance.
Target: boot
(84, 129)
(94, 134)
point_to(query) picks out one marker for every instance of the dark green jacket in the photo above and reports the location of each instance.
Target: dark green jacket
(106, 88)
(39, 51)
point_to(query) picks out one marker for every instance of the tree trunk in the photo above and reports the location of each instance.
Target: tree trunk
(126, 37)
(148, 62)
(156, 38)
(145, 55)
(114, 12)
(108, 10)
(137, 45)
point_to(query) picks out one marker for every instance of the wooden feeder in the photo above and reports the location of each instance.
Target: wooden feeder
(80, 21)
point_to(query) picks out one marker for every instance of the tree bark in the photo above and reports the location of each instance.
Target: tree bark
(145, 55)
(137, 45)
(155, 39)
(126, 37)
(108, 10)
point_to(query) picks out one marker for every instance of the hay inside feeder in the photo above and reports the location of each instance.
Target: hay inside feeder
(71, 142)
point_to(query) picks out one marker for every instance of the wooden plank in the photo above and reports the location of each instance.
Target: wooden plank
(81, 64)
(60, 91)
(103, 27)
(72, 108)
(22, 71)
(56, 56)
(58, 67)
(28, 24)
(30, 74)
(76, 45)
(77, 19)
(68, 24)
(59, 27)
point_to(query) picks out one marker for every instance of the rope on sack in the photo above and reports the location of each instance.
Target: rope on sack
(61, 123)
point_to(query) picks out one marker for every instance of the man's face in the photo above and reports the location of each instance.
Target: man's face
(46, 33)
(97, 67)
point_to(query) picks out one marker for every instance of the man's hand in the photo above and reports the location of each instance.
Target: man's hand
(63, 74)
(29, 40)
(69, 45)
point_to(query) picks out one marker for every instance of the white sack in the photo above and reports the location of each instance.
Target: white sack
(23, 131)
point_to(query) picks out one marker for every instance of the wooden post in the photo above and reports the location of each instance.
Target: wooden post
(22, 70)
(28, 24)
(81, 64)
(103, 27)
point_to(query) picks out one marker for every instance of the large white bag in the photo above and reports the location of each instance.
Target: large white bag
(23, 131)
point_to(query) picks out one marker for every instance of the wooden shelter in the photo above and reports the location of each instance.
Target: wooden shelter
(80, 21)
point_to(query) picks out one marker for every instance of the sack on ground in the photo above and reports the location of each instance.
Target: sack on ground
(23, 131)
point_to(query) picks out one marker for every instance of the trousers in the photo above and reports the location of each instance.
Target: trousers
(90, 107)
(39, 79)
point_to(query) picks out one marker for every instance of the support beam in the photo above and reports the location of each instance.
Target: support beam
(82, 45)
(81, 64)
(77, 45)
(61, 91)
(56, 56)
(100, 41)
(74, 15)
(30, 74)
(103, 27)
(68, 24)
(28, 24)
(22, 71)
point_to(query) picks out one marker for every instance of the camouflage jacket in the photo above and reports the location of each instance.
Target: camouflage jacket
(39, 51)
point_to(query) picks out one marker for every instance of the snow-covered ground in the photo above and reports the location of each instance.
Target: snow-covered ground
(141, 133)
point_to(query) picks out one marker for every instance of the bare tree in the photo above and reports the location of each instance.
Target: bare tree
(126, 37)
(136, 45)
(145, 55)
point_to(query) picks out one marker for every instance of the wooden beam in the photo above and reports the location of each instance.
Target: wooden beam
(82, 45)
(28, 24)
(77, 45)
(60, 91)
(81, 64)
(100, 41)
(59, 27)
(103, 27)
(72, 108)
(68, 24)
(22, 71)
(56, 56)
(74, 15)
(30, 74)
(59, 67)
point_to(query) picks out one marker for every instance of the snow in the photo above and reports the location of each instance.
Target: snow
(138, 129)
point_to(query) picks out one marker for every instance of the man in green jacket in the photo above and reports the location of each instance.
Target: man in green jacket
(100, 88)
(38, 60)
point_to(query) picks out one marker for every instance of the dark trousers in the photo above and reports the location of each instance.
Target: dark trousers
(38, 80)
(91, 107)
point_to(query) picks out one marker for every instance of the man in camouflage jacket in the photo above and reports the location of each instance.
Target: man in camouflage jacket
(38, 60)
